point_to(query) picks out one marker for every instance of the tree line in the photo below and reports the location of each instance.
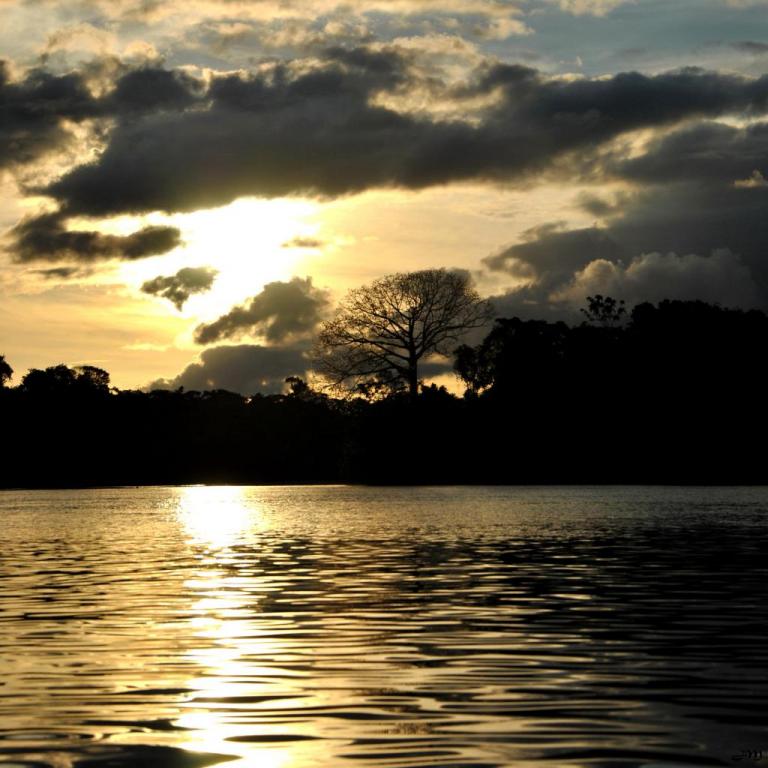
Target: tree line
(665, 393)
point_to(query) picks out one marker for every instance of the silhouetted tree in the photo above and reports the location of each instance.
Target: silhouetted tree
(92, 378)
(300, 390)
(299, 387)
(474, 367)
(383, 386)
(515, 354)
(672, 394)
(383, 330)
(54, 380)
(60, 380)
(6, 372)
(604, 311)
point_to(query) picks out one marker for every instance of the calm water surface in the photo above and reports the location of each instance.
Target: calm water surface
(286, 627)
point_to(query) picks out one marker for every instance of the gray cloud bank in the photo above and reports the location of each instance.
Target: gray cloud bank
(314, 127)
(40, 108)
(46, 238)
(282, 311)
(320, 132)
(244, 368)
(179, 287)
(35, 111)
(328, 126)
(694, 227)
(38, 114)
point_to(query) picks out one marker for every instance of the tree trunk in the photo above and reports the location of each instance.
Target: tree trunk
(413, 380)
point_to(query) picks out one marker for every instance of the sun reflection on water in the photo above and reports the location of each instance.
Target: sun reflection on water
(215, 515)
(297, 627)
(237, 653)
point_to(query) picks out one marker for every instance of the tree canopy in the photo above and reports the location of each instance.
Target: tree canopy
(674, 393)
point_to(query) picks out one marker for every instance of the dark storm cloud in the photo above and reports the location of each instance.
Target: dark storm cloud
(695, 226)
(314, 127)
(316, 131)
(33, 111)
(707, 153)
(548, 260)
(270, 134)
(550, 255)
(626, 101)
(720, 277)
(282, 311)
(179, 287)
(45, 238)
(244, 368)
(150, 89)
(701, 189)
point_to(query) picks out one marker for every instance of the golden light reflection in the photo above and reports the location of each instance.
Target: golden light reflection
(214, 515)
(238, 651)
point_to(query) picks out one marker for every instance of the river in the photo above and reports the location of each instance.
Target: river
(281, 627)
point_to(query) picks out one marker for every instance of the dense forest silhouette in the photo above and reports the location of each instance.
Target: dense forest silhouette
(667, 393)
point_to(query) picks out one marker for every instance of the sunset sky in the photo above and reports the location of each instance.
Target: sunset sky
(189, 187)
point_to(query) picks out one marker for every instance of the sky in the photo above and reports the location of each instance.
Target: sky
(187, 189)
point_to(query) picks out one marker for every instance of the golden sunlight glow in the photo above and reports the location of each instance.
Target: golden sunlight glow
(248, 242)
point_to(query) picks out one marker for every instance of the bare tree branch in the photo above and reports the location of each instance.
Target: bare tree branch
(384, 329)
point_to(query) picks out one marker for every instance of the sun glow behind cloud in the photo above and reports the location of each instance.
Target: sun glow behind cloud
(244, 241)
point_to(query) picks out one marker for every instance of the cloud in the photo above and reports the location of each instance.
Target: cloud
(278, 35)
(40, 108)
(751, 47)
(82, 37)
(244, 368)
(546, 262)
(62, 273)
(746, 3)
(549, 255)
(179, 287)
(191, 11)
(756, 180)
(46, 238)
(720, 278)
(304, 242)
(704, 153)
(270, 9)
(320, 129)
(341, 122)
(35, 112)
(531, 302)
(590, 7)
(697, 190)
(149, 89)
(282, 311)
